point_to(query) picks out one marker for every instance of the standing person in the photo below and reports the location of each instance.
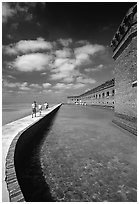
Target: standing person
(45, 105)
(40, 108)
(34, 107)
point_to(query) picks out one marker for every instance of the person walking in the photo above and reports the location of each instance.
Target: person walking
(40, 108)
(45, 105)
(34, 107)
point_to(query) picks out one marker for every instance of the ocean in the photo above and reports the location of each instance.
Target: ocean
(12, 112)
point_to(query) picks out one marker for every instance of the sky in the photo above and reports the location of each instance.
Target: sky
(54, 50)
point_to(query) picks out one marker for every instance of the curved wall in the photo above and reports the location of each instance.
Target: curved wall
(27, 165)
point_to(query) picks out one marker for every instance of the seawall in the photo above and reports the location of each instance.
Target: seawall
(18, 140)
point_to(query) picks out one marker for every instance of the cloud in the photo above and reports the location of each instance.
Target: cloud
(89, 49)
(82, 54)
(24, 86)
(46, 85)
(65, 42)
(18, 9)
(32, 62)
(25, 46)
(62, 69)
(7, 12)
(21, 86)
(43, 73)
(82, 58)
(96, 69)
(59, 62)
(11, 77)
(85, 80)
(33, 45)
(63, 64)
(36, 86)
(10, 84)
(9, 50)
(82, 42)
(65, 53)
(63, 86)
(79, 85)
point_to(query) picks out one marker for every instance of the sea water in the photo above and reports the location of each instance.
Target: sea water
(15, 111)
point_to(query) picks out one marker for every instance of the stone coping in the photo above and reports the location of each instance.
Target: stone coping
(10, 134)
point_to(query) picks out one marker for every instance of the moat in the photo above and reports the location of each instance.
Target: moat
(83, 157)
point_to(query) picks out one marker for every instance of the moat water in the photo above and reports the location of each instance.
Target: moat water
(83, 157)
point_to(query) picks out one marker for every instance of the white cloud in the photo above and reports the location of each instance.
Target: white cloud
(65, 53)
(65, 69)
(82, 54)
(79, 85)
(82, 58)
(60, 86)
(89, 49)
(43, 73)
(63, 86)
(33, 45)
(96, 69)
(68, 79)
(35, 86)
(32, 62)
(24, 88)
(10, 84)
(9, 50)
(65, 42)
(85, 80)
(46, 85)
(59, 61)
(82, 42)
(21, 86)
(25, 46)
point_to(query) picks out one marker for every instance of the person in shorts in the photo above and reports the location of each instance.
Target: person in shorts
(45, 105)
(34, 107)
(40, 108)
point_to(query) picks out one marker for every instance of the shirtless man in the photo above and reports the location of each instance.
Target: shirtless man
(34, 107)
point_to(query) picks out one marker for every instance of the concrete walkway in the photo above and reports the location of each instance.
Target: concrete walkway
(9, 131)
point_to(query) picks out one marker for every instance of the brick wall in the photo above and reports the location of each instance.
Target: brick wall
(125, 74)
(100, 96)
(124, 45)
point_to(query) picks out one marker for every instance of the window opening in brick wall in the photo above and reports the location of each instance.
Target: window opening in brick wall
(134, 84)
(107, 93)
(103, 94)
(113, 92)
